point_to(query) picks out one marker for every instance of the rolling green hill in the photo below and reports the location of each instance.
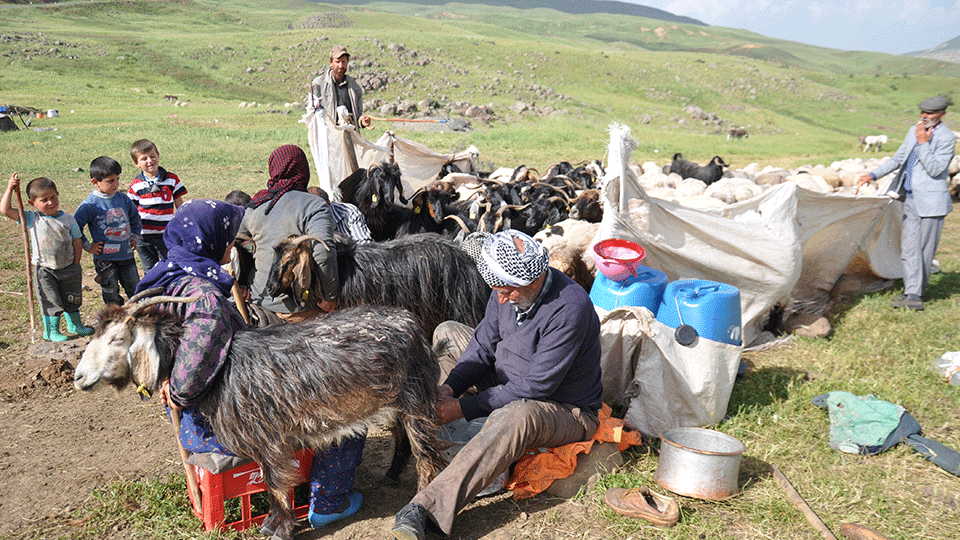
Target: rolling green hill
(113, 62)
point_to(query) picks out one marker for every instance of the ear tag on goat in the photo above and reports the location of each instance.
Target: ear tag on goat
(373, 198)
(304, 296)
(416, 210)
(473, 214)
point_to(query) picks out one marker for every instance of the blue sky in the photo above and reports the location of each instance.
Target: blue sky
(890, 26)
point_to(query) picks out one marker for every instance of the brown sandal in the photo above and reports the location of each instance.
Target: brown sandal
(644, 504)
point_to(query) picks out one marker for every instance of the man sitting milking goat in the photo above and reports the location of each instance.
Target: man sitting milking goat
(535, 357)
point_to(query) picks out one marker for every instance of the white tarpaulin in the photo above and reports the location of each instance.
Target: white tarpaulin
(787, 245)
(338, 151)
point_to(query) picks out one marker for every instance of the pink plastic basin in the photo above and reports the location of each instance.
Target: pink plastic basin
(617, 259)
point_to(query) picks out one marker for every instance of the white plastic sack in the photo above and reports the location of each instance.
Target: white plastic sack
(621, 333)
(676, 385)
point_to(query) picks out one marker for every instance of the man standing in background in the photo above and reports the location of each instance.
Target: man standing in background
(923, 184)
(336, 89)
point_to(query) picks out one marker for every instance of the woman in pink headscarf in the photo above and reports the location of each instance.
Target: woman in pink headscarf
(282, 209)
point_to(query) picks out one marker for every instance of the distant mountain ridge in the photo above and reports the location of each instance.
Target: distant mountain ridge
(573, 7)
(948, 50)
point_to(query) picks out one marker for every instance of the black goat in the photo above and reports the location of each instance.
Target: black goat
(375, 191)
(587, 207)
(425, 273)
(709, 173)
(287, 387)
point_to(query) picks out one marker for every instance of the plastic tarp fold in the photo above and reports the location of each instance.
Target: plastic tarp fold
(338, 151)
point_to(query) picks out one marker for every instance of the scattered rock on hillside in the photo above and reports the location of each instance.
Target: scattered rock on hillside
(329, 19)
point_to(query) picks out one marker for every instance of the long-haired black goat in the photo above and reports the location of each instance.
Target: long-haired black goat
(708, 173)
(287, 387)
(424, 273)
(374, 191)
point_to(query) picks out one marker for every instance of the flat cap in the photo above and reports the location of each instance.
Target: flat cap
(338, 51)
(934, 104)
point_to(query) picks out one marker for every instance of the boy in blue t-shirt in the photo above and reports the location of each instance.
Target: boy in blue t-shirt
(114, 230)
(56, 246)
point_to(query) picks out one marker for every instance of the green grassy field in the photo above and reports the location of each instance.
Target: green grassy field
(106, 67)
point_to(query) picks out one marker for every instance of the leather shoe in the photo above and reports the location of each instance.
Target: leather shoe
(908, 301)
(411, 523)
(644, 504)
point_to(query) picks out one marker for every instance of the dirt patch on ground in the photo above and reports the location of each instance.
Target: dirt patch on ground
(59, 444)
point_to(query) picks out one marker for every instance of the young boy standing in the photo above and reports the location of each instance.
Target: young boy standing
(56, 246)
(114, 229)
(157, 193)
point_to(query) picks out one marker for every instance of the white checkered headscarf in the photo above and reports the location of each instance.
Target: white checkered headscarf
(511, 259)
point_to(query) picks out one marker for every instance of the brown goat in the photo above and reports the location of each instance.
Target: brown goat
(286, 387)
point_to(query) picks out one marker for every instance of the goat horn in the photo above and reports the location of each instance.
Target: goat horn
(459, 222)
(163, 299)
(298, 239)
(142, 294)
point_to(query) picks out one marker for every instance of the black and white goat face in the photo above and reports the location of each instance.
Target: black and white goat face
(120, 353)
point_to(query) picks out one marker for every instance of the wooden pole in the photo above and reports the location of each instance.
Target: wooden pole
(26, 252)
(191, 473)
(241, 305)
(801, 504)
(427, 120)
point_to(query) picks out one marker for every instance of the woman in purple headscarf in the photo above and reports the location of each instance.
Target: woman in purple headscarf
(282, 209)
(198, 240)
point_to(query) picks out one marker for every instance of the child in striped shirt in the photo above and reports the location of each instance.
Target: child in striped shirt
(157, 193)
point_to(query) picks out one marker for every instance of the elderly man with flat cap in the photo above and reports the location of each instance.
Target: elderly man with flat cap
(922, 183)
(337, 89)
(535, 361)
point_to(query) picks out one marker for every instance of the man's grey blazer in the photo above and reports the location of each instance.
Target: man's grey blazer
(930, 181)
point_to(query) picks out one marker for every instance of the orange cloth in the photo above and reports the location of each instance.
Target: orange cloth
(539, 467)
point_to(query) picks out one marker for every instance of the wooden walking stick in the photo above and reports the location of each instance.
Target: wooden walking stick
(26, 254)
(188, 469)
(801, 504)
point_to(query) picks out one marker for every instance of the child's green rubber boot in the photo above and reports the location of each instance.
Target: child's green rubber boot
(75, 325)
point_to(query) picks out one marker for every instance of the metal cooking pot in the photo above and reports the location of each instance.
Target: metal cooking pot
(699, 463)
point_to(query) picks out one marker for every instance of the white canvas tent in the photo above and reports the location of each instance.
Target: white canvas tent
(338, 151)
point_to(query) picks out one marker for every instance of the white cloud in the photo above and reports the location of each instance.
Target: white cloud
(892, 26)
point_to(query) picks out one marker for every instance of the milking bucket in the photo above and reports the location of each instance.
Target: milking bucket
(708, 308)
(53, 113)
(645, 289)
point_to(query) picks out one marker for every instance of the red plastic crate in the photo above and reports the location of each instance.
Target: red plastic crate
(242, 481)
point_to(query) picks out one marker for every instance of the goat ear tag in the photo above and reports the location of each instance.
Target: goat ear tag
(416, 210)
(473, 215)
(373, 198)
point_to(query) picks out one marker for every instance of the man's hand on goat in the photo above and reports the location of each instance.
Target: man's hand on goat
(448, 409)
(865, 178)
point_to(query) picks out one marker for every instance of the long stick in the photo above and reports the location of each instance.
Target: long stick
(801, 504)
(188, 469)
(430, 120)
(26, 254)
